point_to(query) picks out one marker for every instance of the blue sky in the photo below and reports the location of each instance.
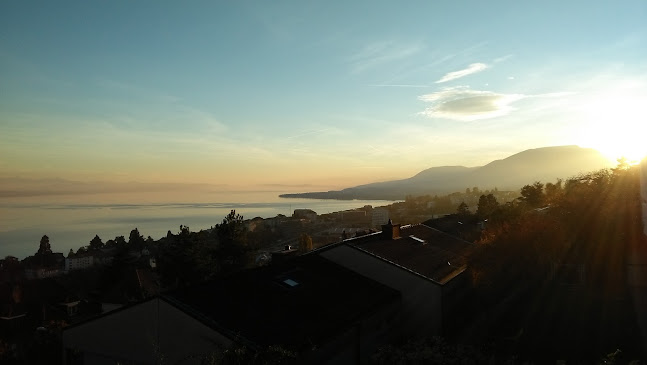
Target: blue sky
(254, 94)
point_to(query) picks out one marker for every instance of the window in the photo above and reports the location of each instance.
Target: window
(291, 283)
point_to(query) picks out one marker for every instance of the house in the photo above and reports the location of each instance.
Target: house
(79, 261)
(322, 311)
(287, 253)
(307, 214)
(44, 265)
(352, 216)
(379, 217)
(427, 267)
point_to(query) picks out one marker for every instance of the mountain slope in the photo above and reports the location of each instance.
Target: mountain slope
(542, 164)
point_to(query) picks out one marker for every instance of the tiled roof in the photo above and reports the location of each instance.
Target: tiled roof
(424, 250)
(301, 302)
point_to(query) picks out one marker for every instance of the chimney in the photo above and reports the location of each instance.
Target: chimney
(390, 231)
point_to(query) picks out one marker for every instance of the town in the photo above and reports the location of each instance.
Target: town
(473, 274)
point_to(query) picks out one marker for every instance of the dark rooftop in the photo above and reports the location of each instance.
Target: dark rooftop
(427, 251)
(301, 302)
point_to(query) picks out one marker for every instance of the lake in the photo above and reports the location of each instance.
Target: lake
(72, 221)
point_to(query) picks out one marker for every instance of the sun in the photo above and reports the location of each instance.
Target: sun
(615, 123)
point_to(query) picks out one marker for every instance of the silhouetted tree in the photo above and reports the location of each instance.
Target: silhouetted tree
(487, 206)
(44, 247)
(184, 231)
(232, 241)
(95, 243)
(120, 243)
(189, 257)
(592, 226)
(553, 192)
(533, 195)
(463, 210)
(135, 239)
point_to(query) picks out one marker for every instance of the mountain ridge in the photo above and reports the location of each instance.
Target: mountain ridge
(511, 173)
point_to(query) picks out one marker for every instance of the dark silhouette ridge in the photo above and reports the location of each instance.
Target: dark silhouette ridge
(511, 173)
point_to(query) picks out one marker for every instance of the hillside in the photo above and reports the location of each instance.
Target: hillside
(542, 164)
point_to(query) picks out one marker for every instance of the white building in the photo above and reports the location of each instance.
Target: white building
(380, 217)
(79, 261)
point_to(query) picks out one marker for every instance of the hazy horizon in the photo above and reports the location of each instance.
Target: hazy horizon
(25, 191)
(73, 222)
(248, 95)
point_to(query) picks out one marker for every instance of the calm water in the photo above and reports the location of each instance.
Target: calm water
(71, 222)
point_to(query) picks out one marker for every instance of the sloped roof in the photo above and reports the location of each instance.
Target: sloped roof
(301, 302)
(426, 251)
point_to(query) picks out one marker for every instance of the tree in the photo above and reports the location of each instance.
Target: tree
(120, 243)
(44, 247)
(623, 165)
(533, 195)
(463, 209)
(232, 241)
(487, 206)
(135, 239)
(305, 243)
(553, 191)
(95, 243)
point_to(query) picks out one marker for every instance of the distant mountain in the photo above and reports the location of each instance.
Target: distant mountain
(542, 164)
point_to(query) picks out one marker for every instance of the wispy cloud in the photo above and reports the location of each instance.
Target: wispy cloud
(400, 85)
(465, 104)
(379, 53)
(502, 59)
(471, 69)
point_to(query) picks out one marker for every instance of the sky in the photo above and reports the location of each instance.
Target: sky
(311, 95)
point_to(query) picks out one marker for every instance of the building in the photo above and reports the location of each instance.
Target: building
(352, 215)
(45, 265)
(308, 214)
(288, 252)
(322, 311)
(79, 261)
(380, 217)
(426, 266)
(144, 333)
(333, 305)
